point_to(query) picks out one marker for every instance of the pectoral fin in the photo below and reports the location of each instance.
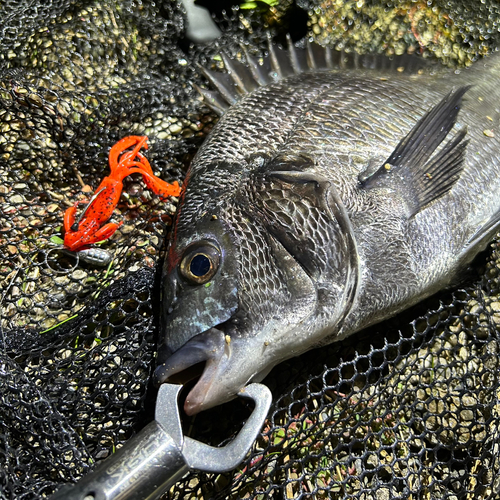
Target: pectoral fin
(418, 167)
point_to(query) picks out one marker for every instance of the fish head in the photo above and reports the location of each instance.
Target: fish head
(245, 282)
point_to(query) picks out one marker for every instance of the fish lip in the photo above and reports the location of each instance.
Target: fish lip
(208, 347)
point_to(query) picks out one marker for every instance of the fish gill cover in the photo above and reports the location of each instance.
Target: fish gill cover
(408, 409)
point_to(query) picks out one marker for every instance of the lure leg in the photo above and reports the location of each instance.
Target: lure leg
(125, 143)
(105, 232)
(123, 166)
(69, 215)
(161, 188)
(69, 218)
(158, 186)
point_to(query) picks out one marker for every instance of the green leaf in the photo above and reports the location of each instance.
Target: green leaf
(57, 240)
(253, 5)
(59, 324)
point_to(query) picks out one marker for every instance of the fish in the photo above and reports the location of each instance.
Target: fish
(335, 191)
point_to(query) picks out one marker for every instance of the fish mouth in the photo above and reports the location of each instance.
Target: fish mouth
(201, 357)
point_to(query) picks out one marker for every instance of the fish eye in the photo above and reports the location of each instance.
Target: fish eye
(200, 263)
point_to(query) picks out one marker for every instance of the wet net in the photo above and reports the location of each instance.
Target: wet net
(406, 410)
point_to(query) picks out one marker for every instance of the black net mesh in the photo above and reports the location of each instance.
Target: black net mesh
(406, 410)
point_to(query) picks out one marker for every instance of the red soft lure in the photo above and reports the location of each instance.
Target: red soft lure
(92, 225)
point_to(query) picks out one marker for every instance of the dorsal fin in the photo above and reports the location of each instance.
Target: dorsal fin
(242, 79)
(241, 74)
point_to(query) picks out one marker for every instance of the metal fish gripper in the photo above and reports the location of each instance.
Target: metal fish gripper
(159, 455)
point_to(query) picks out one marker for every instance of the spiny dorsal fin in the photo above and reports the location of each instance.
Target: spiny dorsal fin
(213, 100)
(279, 63)
(241, 74)
(416, 167)
(224, 83)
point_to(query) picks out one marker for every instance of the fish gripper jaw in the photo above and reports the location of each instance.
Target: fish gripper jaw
(159, 455)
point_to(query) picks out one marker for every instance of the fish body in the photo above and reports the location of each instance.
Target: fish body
(324, 201)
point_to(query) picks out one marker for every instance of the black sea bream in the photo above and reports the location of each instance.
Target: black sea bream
(329, 196)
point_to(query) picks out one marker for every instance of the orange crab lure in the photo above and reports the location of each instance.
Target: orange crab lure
(92, 226)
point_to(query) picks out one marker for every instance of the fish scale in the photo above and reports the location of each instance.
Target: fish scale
(256, 261)
(334, 192)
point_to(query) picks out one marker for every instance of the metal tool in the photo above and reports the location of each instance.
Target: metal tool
(158, 456)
